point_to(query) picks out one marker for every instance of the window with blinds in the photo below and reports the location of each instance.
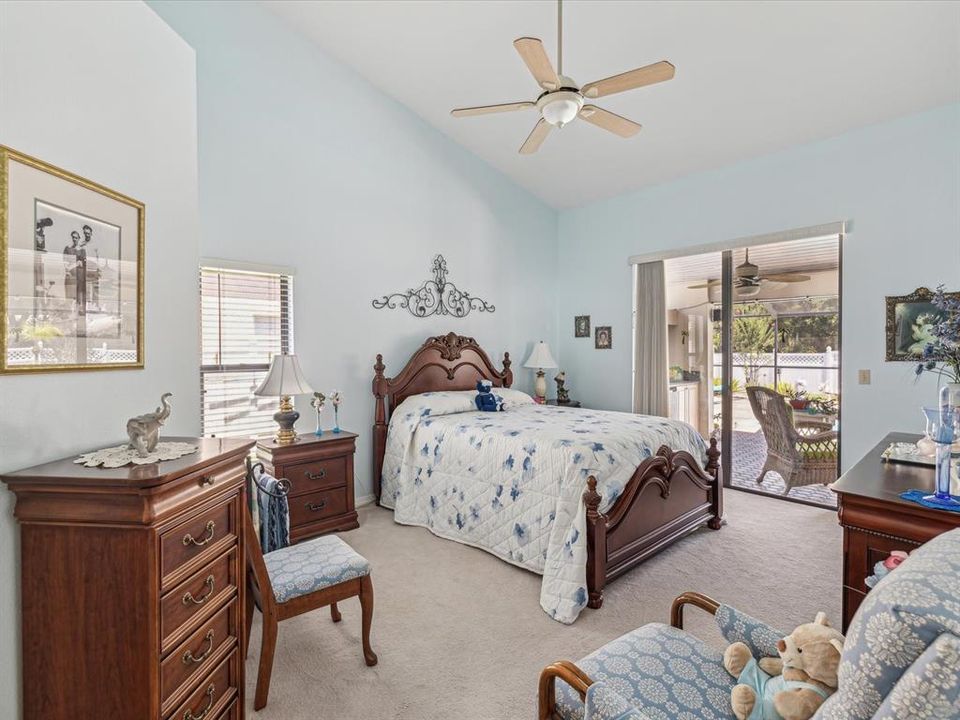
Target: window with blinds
(246, 318)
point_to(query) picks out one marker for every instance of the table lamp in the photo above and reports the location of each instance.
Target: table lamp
(283, 380)
(540, 359)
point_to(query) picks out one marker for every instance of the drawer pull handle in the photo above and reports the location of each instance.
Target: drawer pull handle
(206, 480)
(188, 657)
(316, 476)
(188, 539)
(188, 715)
(200, 599)
(316, 507)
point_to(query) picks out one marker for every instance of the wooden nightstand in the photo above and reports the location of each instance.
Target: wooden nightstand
(321, 472)
(572, 403)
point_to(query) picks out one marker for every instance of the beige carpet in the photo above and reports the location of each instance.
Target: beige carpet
(461, 636)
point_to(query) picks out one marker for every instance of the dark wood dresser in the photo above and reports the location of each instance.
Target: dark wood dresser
(320, 470)
(131, 587)
(876, 521)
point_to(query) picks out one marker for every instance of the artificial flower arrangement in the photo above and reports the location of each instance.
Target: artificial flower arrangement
(941, 354)
(336, 398)
(318, 402)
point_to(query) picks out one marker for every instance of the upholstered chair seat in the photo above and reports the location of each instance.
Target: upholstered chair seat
(313, 565)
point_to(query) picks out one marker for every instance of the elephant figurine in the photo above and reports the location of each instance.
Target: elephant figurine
(144, 430)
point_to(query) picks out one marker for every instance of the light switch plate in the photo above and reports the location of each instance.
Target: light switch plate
(863, 377)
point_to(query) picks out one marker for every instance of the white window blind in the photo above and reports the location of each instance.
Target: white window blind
(245, 318)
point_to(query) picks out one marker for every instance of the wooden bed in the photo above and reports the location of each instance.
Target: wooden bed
(668, 496)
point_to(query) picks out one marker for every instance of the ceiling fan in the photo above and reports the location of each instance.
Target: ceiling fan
(748, 280)
(562, 100)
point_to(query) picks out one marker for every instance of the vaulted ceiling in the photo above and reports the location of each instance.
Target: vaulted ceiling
(752, 77)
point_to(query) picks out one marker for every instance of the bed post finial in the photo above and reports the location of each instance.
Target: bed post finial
(713, 467)
(379, 423)
(596, 545)
(507, 372)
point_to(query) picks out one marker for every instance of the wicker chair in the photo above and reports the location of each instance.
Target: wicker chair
(803, 453)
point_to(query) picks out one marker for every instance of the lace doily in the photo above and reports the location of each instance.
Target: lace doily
(114, 457)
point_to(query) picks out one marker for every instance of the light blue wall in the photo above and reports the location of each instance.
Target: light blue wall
(900, 184)
(305, 164)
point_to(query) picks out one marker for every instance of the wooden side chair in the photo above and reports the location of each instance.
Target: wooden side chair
(300, 578)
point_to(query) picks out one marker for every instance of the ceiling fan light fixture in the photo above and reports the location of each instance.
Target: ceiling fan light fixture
(560, 107)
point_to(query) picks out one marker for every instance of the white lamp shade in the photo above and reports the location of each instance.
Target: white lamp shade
(284, 378)
(540, 357)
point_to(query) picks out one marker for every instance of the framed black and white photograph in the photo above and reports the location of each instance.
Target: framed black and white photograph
(72, 288)
(581, 326)
(910, 321)
(603, 337)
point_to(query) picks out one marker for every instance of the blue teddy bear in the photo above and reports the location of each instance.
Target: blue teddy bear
(486, 401)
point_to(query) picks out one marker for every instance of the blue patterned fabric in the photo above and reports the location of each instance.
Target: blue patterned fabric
(274, 512)
(313, 565)
(930, 688)
(894, 627)
(736, 626)
(512, 482)
(665, 673)
(603, 703)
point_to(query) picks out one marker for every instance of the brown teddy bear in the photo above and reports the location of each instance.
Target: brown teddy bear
(792, 686)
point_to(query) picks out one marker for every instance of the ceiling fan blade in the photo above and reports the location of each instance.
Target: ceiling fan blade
(609, 121)
(707, 284)
(536, 60)
(536, 137)
(786, 277)
(487, 109)
(658, 72)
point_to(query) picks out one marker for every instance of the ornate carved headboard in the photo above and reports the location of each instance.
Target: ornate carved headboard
(444, 362)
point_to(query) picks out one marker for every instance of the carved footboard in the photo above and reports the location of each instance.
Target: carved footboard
(668, 496)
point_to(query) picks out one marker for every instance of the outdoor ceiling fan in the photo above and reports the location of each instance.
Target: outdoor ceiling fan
(562, 100)
(748, 280)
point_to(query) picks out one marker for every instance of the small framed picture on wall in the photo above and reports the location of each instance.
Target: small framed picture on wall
(581, 326)
(603, 337)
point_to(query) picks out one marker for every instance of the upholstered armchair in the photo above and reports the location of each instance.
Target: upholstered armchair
(901, 658)
(802, 452)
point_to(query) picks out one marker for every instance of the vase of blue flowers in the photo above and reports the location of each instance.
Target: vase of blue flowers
(942, 354)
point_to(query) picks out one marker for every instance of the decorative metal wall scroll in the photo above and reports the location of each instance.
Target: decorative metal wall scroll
(435, 297)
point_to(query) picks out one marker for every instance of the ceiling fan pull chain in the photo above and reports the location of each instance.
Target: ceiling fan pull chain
(560, 38)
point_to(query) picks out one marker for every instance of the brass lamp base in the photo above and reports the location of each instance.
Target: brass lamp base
(285, 417)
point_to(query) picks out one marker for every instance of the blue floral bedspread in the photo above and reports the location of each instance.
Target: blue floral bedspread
(512, 482)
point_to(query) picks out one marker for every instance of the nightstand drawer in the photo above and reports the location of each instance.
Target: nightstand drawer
(319, 474)
(318, 505)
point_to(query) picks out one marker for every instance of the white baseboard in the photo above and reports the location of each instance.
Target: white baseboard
(364, 500)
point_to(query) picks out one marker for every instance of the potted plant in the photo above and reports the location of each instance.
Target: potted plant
(942, 354)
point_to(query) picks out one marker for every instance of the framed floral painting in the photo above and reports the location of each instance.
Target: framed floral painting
(910, 322)
(71, 277)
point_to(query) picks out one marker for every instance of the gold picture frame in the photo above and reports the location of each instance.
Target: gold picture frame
(908, 320)
(76, 309)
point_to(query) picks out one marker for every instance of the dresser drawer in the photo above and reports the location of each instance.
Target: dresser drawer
(317, 506)
(195, 655)
(198, 535)
(197, 597)
(217, 691)
(319, 474)
(231, 713)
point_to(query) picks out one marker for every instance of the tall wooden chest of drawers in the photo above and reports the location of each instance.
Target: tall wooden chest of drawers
(132, 587)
